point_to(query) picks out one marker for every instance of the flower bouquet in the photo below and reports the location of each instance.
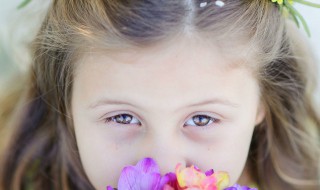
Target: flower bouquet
(145, 175)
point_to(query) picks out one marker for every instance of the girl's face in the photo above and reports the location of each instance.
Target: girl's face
(182, 102)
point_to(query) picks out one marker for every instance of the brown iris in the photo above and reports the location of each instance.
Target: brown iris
(123, 118)
(201, 120)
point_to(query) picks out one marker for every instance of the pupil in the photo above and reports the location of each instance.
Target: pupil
(201, 120)
(123, 118)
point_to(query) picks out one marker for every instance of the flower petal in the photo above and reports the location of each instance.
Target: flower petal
(239, 187)
(148, 165)
(150, 181)
(168, 187)
(210, 182)
(170, 179)
(222, 179)
(209, 172)
(109, 188)
(189, 177)
(230, 188)
(129, 179)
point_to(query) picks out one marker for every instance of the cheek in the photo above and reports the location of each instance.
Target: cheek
(102, 157)
(229, 153)
(236, 157)
(238, 150)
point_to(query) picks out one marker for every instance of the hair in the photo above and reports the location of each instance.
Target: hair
(40, 149)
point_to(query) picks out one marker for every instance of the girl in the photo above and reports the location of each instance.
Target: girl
(219, 84)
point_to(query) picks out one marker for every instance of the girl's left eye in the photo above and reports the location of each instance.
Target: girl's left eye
(201, 121)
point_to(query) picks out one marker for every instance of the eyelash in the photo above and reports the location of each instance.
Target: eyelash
(211, 120)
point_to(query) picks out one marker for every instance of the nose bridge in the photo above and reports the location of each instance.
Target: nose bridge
(166, 149)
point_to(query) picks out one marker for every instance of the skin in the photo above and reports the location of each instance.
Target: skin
(156, 87)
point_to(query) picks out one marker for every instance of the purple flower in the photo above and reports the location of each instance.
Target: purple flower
(239, 187)
(144, 176)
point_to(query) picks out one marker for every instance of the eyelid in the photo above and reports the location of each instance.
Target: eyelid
(207, 113)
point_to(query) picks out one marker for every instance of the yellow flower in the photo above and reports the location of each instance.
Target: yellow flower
(193, 178)
(222, 180)
(280, 2)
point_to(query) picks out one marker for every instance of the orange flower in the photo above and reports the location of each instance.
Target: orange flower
(192, 178)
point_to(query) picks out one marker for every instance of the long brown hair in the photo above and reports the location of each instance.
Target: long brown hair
(40, 149)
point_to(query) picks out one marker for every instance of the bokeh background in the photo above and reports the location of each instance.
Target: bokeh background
(19, 26)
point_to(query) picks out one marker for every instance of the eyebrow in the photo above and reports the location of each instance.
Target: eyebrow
(106, 101)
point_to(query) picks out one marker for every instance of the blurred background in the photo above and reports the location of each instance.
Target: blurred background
(19, 26)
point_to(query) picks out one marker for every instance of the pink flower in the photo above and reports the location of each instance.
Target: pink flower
(192, 178)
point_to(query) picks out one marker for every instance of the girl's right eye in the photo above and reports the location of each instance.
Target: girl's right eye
(123, 119)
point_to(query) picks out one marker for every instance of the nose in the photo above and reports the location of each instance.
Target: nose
(167, 151)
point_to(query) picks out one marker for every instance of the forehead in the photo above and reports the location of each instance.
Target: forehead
(171, 72)
(186, 52)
